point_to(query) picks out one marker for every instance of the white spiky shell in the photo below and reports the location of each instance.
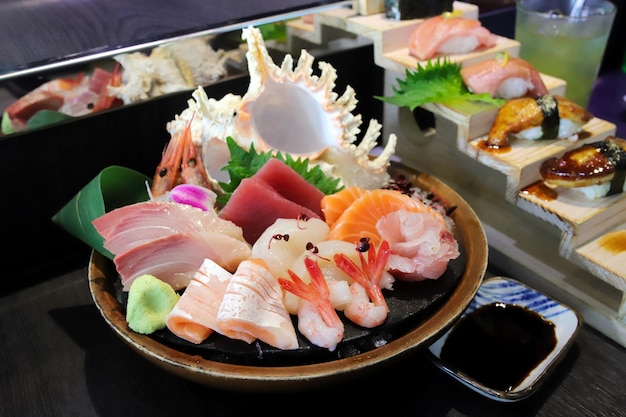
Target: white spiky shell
(290, 110)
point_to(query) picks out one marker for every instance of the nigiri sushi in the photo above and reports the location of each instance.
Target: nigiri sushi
(545, 117)
(596, 169)
(448, 34)
(504, 77)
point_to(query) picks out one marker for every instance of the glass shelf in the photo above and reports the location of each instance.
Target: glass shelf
(41, 35)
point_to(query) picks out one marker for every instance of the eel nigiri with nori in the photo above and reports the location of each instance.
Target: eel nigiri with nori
(545, 117)
(597, 169)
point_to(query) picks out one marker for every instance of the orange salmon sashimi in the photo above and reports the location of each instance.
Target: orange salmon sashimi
(360, 218)
(333, 205)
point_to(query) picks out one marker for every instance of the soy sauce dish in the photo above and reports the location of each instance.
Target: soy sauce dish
(507, 341)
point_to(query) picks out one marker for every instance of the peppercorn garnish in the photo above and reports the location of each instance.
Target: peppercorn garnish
(277, 236)
(363, 245)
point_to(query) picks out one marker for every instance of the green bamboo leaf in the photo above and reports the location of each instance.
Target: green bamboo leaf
(45, 118)
(113, 187)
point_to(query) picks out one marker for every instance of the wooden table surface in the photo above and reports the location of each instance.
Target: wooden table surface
(59, 358)
(37, 34)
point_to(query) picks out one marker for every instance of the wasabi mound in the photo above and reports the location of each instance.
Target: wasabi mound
(149, 302)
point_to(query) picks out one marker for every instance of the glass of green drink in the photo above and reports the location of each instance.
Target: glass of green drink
(565, 39)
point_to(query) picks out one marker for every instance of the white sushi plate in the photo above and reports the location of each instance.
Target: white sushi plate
(506, 290)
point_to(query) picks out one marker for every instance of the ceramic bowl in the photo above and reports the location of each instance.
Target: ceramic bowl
(227, 373)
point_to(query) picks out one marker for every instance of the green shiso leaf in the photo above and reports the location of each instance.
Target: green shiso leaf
(112, 188)
(245, 163)
(438, 81)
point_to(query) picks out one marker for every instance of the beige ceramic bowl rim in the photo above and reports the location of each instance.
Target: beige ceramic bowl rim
(290, 378)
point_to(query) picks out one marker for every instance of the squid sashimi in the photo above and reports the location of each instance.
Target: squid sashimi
(176, 257)
(291, 185)
(135, 224)
(255, 205)
(194, 317)
(421, 246)
(504, 77)
(283, 242)
(448, 34)
(252, 308)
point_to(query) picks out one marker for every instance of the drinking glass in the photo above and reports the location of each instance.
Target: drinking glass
(565, 39)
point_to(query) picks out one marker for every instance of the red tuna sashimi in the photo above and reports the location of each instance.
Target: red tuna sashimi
(446, 34)
(99, 79)
(291, 185)
(253, 308)
(488, 77)
(194, 317)
(175, 258)
(255, 205)
(139, 223)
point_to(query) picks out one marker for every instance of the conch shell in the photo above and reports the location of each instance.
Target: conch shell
(288, 110)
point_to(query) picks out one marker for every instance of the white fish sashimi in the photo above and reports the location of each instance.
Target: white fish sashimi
(194, 317)
(283, 242)
(253, 308)
(421, 245)
(175, 258)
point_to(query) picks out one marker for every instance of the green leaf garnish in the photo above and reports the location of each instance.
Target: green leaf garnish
(274, 31)
(45, 118)
(245, 163)
(113, 187)
(438, 81)
(6, 127)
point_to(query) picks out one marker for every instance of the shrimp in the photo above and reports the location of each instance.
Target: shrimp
(363, 312)
(317, 319)
(180, 164)
(168, 170)
(105, 100)
(192, 168)
(367, 284)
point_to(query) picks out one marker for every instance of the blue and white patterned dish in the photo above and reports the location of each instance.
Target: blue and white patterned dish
(506, 290)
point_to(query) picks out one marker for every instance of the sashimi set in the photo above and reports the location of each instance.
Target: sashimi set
(316, 250)
(291, 244)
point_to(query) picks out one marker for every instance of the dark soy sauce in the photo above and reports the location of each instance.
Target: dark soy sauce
(499, 344)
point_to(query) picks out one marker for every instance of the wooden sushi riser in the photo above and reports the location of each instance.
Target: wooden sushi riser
(521, 163)
(528, 247)
(557, 246)
(389, 37)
